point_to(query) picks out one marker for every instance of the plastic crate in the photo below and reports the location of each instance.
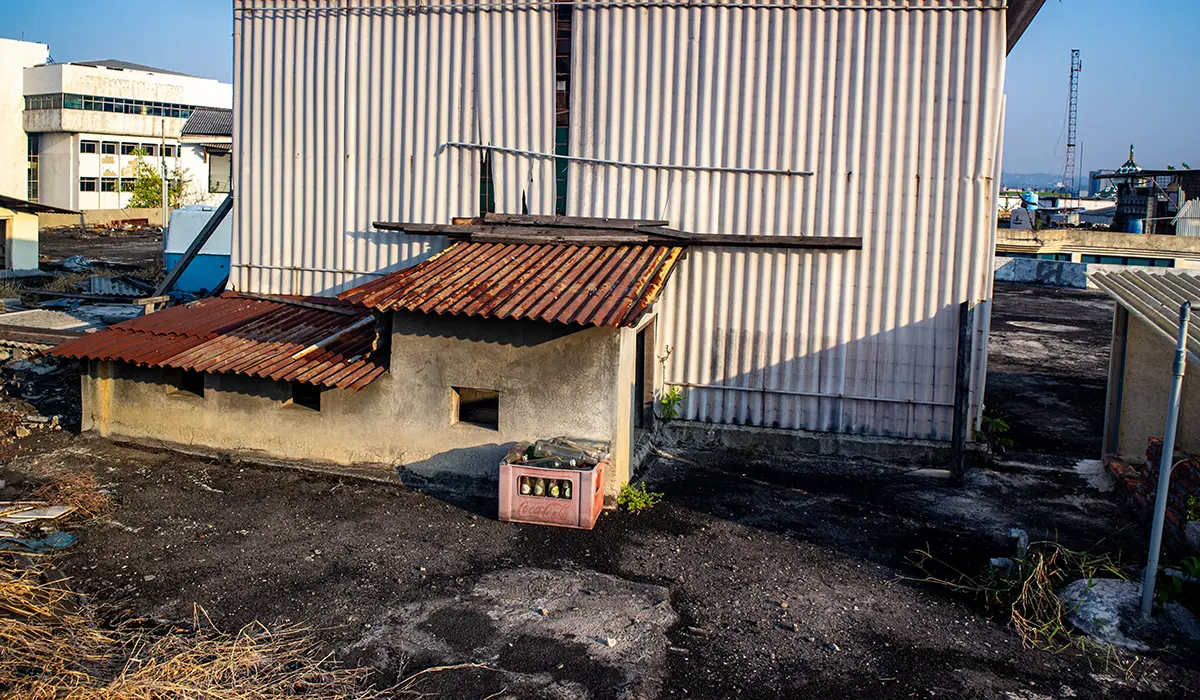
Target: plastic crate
(578, 511)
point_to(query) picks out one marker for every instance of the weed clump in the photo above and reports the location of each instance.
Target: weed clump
(1027, 593)
(635, 499)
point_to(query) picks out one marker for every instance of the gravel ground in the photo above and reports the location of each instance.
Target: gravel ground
(758, 576)
(1048, 367)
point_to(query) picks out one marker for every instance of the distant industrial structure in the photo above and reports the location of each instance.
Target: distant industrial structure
(71, 133)
(1148, 201)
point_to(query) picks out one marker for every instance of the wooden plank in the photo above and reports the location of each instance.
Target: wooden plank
(570, 221)
(734, 240)
(962, 393)
(600, 236)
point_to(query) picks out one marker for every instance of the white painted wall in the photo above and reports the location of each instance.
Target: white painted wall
(15, 56)
(21, 240)
(196, 162)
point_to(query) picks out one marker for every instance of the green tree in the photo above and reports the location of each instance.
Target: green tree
(147, 184)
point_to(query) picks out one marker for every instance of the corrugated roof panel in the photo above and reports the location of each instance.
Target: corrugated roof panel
(237, 335)
(1155, 296)
(577, 284)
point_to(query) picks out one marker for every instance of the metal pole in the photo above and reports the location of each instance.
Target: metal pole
(162, 131)
(1165, 464)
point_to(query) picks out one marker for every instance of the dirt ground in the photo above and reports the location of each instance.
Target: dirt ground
(136, 247)
(1048, 367)
(758, 576)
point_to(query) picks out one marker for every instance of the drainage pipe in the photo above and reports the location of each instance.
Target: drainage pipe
(1165, 464)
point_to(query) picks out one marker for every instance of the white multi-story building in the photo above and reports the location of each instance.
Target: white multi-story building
(87, 124)
(15, 57)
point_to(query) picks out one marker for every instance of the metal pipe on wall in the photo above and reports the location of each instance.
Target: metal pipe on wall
(1165, 464)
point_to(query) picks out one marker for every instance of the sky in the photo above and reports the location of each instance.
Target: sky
(1137, 84)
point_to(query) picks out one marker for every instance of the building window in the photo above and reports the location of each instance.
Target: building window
(479, 407)
(32, 191)
(87, 184)
(125, 184)
(118, 105)
(108, 148)
(168, 151)
(108, 184)
(150, 149)
(220, 171)
(185, 383)
(127, 149)
(305, 396)
(88, 146)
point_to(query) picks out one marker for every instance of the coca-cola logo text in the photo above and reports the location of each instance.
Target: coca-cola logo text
(543, 509)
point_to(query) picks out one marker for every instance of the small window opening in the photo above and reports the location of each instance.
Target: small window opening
(479, 407)
(187, 382)
(306, 396)
(487, 185)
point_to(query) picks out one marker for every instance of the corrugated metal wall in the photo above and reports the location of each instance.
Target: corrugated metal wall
(894, 104)
(899, 115)
(339, 111)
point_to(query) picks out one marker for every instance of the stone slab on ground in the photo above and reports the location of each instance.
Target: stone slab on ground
(1109, 611)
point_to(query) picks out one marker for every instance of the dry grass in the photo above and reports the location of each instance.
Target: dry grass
(74, 488)
(1028, 595)
(52, 647)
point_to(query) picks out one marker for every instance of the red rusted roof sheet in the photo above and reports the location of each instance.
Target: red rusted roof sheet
(589, 285)
(325, 343)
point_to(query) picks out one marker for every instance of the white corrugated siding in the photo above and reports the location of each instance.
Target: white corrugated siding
(338, 116)
(895, 105)
(899, 115)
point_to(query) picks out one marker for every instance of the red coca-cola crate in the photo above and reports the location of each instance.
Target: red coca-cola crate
(580, 510)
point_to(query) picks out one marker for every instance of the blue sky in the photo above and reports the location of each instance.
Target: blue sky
(1137, 85)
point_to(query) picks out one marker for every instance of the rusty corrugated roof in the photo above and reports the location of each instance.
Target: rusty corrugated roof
(322, 342)
(590, 285)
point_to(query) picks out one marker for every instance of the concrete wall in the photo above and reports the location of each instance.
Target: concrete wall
(15, 56)
(21, 240)
(552, 380)
(133, 84)
(103, 217)
(195, 162)
(1144, 389)
(58, 175)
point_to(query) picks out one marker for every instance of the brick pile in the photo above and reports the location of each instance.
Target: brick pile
(1139, 482)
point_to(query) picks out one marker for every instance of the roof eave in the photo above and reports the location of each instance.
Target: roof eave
(1020, 15)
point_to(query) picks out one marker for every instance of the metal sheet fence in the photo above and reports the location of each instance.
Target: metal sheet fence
(898, 114)
(895, 106)
(340, 109)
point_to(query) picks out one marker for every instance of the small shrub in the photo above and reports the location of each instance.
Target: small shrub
(671, 398)
(992, 431)
(1193, 508)
(635, 499)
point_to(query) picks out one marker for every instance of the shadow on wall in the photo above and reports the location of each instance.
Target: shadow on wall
(514, 333)
(466, 477)
(911, 368)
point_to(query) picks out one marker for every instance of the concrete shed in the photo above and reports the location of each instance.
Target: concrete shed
(19, 234)
(436, 369)
(1145, 326)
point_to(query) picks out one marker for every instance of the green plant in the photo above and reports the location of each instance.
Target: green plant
(671, 397)
(992, 431)
(635, 499)
(147, 184)
(1193, 508)
(1191, 566)
(1170, 589)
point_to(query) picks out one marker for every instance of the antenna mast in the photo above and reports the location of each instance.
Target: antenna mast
(1072, 118)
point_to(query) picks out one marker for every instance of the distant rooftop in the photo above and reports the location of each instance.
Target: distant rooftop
(126, 65)
(209, 121)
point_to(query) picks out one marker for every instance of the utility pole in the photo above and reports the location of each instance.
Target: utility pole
(162, 159)
(1072, 118)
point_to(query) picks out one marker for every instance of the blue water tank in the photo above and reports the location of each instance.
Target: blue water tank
(211, 266)
(1135, 226)
(1030, 199)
